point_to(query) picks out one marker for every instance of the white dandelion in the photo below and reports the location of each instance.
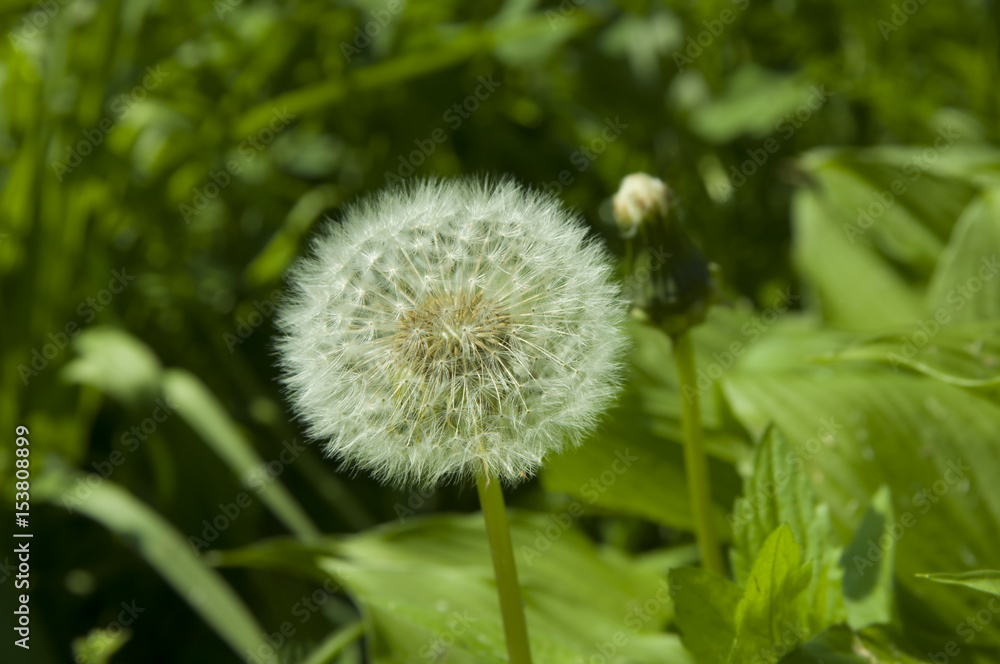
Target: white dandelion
(451, 328)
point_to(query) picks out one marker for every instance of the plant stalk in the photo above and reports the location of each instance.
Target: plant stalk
(695, 459)
(511, 606)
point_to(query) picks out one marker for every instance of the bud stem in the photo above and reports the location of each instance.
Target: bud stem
(695, 460)
(504, 567)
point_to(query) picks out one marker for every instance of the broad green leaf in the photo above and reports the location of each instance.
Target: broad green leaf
(966, 284)
(166, 550)
(869, 232)
(426, 590)
(986, 580)
(868, 564)
(854, 287)
(967, 355)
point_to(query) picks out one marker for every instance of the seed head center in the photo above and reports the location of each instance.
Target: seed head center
(456, 334)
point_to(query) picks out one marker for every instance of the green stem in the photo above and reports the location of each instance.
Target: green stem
(511, 605)
(695, 459)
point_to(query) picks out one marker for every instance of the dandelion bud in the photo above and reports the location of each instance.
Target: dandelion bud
(669, 281)
(451, 327)
(640, 199)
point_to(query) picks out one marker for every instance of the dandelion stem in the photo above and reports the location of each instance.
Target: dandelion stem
(511, 605)
(695, 460)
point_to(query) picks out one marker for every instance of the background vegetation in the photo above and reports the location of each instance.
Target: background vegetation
(162, 163)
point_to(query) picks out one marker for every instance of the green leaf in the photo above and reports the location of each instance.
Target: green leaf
(986, 580)
(166, 550)
(99, 645)
(855, 288)
(931, 443)
(426, 590)
(967, 355)
(720, 624)
(869, 565)
(840, 645)
(870, 230)
(116, 363)
(966, 285)
(334, 644)
(755, 102)
(706, 612)
(770, 619)
(776, 493)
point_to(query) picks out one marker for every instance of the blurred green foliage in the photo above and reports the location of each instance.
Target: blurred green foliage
(162, 163)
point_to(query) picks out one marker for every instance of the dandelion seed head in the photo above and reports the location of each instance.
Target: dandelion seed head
(450, 326)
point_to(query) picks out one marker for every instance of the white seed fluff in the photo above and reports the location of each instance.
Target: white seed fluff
(448, 327)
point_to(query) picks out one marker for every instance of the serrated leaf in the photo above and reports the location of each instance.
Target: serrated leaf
(770, 619)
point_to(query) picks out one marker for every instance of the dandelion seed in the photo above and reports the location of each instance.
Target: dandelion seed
(451, 328)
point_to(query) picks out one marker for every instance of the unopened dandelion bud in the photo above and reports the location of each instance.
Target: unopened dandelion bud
(640, 199)
(669, 281)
